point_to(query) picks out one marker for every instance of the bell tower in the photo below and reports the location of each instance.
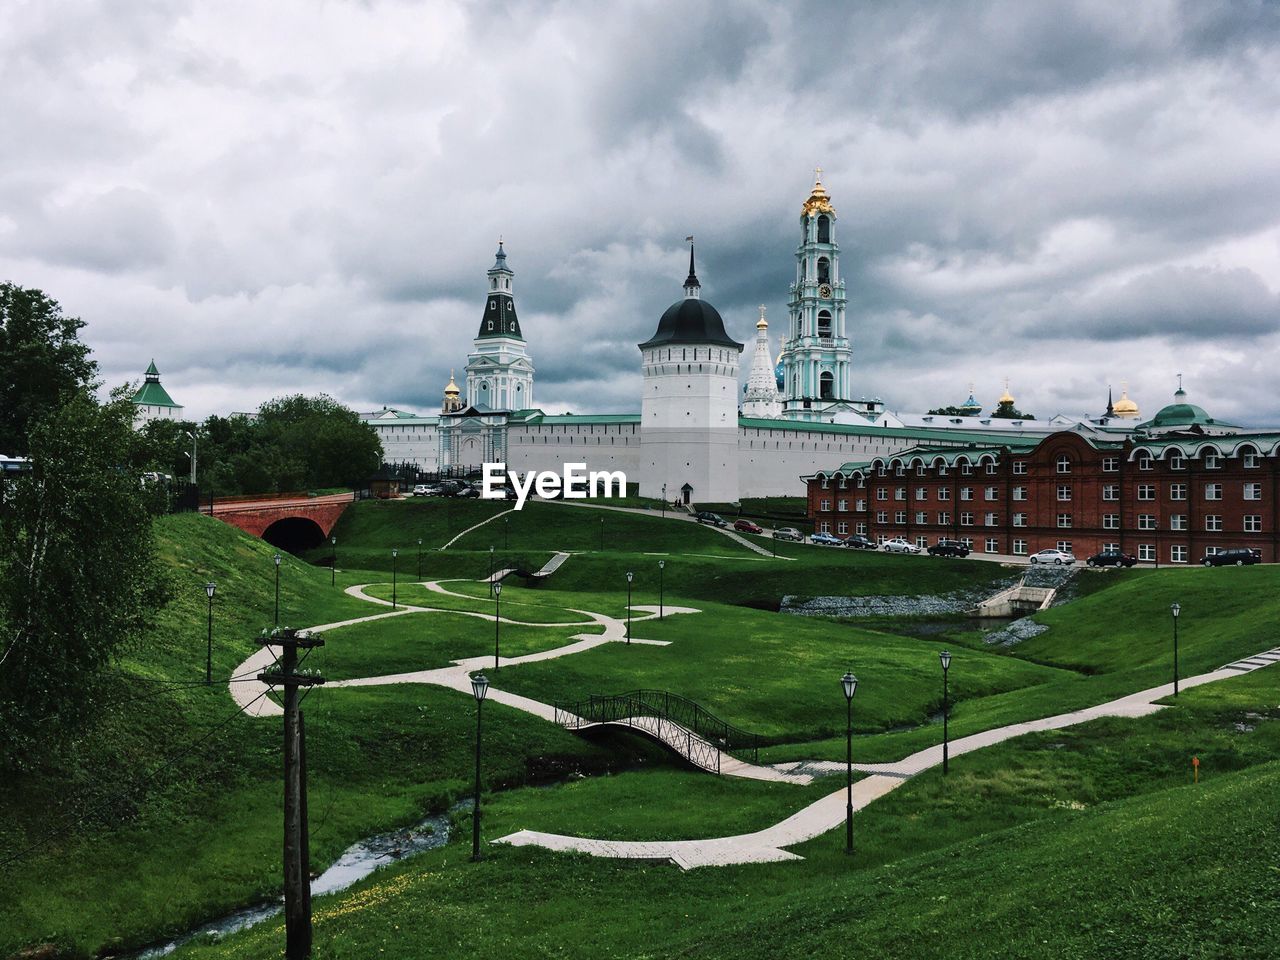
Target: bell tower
(818, 367)
(499, 371)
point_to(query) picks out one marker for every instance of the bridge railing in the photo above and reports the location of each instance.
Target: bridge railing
(683, 724)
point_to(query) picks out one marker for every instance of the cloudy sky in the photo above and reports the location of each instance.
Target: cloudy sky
(304, 196)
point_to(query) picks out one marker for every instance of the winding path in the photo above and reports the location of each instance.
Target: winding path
(828, 813)
(762, 846)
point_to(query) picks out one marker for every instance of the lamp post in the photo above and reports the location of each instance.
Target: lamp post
(491, 571)
(209, 589)
(850, 684)
(661, 566)
(664, 499)
(333, 561)
(945, 658)
(277, 559)
(602, 533)
(419, 558)
(630, 577)
(497, 610)
(506, 533)
(394, 553)
(479, 687)
(1175, 609)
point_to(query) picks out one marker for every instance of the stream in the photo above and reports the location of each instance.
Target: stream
(357, 862)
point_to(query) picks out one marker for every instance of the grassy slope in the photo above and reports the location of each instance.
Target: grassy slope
(1077, 843)
(142, 854)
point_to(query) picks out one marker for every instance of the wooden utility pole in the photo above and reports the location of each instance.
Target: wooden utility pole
(297, 865)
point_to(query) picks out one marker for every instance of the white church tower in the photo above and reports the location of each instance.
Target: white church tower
(819, 358)
(499, 371)
(689, 412)
(762, 398)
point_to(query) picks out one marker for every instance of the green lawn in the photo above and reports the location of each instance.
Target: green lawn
(1112, 860)
(426, 641)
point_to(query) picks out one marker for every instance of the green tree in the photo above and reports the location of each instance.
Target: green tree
(331, 443)
(79, 579)
(42, 362)
(1005, 410)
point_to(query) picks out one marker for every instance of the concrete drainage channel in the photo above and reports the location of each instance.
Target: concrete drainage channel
(1034, 589)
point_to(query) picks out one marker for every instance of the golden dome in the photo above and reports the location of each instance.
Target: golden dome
(762, 324)
(452, 389)
(1006, 397)
(1124, 407)
(818, 201)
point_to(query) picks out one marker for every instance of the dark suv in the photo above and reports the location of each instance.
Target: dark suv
(948, 548)
(1237, 556)
(706, 516)
(1111, 558)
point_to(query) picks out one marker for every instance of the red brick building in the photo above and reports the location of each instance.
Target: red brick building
(1182, 486)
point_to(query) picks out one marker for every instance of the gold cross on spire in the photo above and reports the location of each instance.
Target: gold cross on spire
(817, 174)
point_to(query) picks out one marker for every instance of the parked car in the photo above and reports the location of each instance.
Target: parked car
(1053, 556)
(948, 548)
(859, 542)
(788, 533)
(706, 516)
(746, 526)
(1111, 558)
(469, 493)
(422, 490)
(826, 539)
(898, 545)
(1235, 556)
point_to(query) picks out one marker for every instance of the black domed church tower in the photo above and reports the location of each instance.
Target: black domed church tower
(689, 411)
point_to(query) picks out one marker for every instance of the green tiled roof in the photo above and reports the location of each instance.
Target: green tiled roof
(153, 395)
(555, 419)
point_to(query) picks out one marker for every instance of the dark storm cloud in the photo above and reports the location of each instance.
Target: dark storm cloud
(285, 197)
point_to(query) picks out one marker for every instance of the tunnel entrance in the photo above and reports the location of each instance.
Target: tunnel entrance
(294, 534)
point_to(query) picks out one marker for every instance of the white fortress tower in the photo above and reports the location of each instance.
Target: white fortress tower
(689, 412)
(762, 399)
(499, 371)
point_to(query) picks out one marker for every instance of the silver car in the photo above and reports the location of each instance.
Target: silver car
(898, 545)
(1059, 557)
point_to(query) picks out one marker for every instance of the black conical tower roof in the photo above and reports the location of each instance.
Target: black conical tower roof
(691, 320)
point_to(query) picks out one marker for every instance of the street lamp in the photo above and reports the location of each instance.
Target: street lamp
(506, 533)
(491, 571)
(630, 577)
(602, 534)
(333, 561)
(277, 558)
(394, 553)
(661, 566)
(850, 684)
(497, 609)
(479, 687)
(945, 658)
(419, 558)
(209, 589)
(664, 499)
(1175, 609)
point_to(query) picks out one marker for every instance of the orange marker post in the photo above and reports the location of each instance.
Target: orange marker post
(1195, 768)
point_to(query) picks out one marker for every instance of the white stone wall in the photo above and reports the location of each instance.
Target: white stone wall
(144, 413)
(409, 442)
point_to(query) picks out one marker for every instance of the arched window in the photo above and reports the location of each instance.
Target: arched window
(824, 323)
(824, 229)
(824, 270)
(826, 386)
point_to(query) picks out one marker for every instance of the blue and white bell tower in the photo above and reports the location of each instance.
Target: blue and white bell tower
(818, 358)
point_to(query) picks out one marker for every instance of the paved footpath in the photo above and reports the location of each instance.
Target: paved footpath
(828, 813)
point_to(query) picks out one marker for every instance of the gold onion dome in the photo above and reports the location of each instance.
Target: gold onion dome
(452, 389)
(818, 201)
(1124, 407)
(1006, 397)
(762, 323)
